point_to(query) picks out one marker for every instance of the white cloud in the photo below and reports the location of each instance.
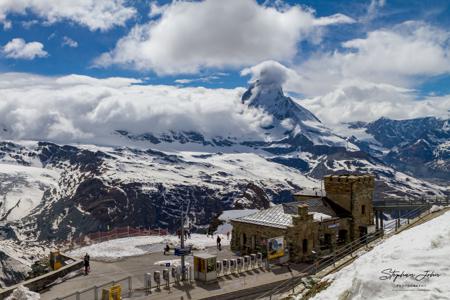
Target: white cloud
(85, 109)
(157, 10)
(334, 19)
(29, 24)
(400, 56)
(67, 41)
(365, 101)
(191, 35)
(17, 48)
(272, 72)
(373, 10)
(202, 79)
(94, 14)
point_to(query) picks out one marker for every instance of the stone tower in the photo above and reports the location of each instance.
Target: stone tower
(355, 194)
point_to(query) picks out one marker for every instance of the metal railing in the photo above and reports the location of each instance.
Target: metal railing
(116, 233)
(389, 227)
(95, 292)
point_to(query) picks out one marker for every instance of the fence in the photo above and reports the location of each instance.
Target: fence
(116, 233)
(413, 201)
(348, 249)
(95, 292)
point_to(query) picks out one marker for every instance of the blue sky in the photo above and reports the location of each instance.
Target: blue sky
(180, 63)
(92, 43)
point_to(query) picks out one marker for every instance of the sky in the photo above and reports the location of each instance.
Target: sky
(344, 60)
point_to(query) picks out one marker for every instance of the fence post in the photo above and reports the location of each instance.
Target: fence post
(77, 295)
(130, 286)
(95, 292)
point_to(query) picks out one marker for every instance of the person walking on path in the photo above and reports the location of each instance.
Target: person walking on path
(166, 249)
(228, 235)
(87, 267)
(219, 246)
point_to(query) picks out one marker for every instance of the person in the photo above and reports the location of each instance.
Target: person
(166, 249)
(219, 246)
(87, 267)
(228, 235)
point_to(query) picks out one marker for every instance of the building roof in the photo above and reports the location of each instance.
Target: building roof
(272, 217)
(280, 216)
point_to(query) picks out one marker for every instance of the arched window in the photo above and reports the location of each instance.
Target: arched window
(363, 209)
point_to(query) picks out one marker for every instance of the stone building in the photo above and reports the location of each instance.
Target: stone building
(316, 223)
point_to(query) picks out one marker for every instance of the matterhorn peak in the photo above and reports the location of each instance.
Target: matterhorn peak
(266, 92)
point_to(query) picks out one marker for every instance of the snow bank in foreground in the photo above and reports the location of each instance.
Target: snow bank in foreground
(134, 246)
(23, 293)
(411, 265)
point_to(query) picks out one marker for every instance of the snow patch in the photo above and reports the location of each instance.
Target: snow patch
(23, 293)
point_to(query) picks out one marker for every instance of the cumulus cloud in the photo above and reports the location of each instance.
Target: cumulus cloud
(67, 41)
(94, 14)
(191, 35)
(85, 109)
(367, 101)
(401, 56)
(156, 10)
(272, 72)
(19, 49)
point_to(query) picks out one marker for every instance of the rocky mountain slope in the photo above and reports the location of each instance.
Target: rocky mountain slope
(52, 193)
(420, 147)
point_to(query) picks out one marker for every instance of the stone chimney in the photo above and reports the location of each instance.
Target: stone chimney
(302, 214)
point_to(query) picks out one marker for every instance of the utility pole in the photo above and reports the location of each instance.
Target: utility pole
(183, 264)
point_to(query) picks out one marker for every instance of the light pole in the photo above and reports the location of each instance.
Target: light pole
(182, 249)
(183, 264)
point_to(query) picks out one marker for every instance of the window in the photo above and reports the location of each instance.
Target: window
(305, 246)
(342, 236)
(363, 209)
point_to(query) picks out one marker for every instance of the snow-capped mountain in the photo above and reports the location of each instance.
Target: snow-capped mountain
(53, 192)
(73, 189)
(419, 146)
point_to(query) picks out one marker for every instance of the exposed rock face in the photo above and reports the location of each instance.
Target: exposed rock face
(11, 270)
(419, 146)
(114, 187)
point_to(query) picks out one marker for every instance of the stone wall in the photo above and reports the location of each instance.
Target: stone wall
(302, 237)
(259, 233)
(41, 282)
(355, 194)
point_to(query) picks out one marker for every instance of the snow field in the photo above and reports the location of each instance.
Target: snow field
(134, 246)
(411, 265)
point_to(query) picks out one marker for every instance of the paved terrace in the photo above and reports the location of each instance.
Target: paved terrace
(136, 267)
